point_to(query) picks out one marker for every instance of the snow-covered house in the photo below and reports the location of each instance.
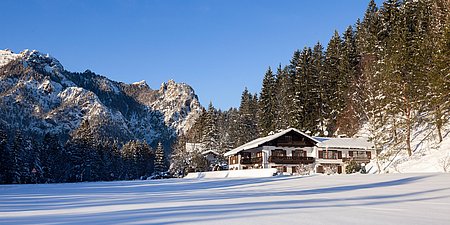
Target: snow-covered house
(291, 150)
(211, 155)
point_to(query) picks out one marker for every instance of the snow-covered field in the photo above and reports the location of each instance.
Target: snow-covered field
(339, 199)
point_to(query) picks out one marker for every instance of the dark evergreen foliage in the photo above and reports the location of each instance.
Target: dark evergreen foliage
(160, 160)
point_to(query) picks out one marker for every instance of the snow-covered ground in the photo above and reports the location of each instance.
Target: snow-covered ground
(339, 199)
(428, 154)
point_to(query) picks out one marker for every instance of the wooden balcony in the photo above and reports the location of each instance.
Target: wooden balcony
(359, 159)
(257, 160)
(291, 160)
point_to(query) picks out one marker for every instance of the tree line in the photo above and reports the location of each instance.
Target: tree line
(26, 159)
(388, 73)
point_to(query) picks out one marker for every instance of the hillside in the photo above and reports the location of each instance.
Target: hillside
(37, 95)
(62, 126)
(428, 155)
(341, 199)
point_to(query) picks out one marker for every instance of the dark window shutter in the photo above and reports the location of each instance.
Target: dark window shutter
(339, 155)
(350, 153)
(320, 154)
(369, 154)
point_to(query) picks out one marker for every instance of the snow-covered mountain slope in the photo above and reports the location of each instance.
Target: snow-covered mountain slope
(429, 155)
(38, 95)
(176, 100)
(7, 56)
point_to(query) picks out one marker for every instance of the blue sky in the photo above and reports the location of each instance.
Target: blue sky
(217, 47)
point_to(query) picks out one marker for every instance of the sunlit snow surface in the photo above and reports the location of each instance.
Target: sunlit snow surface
(339, 199)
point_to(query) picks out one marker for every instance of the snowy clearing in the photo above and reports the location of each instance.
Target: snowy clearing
(339, 199)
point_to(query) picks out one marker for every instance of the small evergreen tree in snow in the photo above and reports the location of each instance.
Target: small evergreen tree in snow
(160, 159)
(4, 156)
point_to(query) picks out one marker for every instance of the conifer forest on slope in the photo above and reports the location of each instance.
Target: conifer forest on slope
(388, 73)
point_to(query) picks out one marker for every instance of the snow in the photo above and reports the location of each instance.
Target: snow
(179, 104)
(338, 199)
(7, 56)
(354, 143)
(140, 83)
(428, 159)
(428, 155)
(234, 173)
(260, 141)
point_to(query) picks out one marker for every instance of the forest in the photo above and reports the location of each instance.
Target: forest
(387, 74)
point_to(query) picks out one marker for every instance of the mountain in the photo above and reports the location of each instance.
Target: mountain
(37, 95)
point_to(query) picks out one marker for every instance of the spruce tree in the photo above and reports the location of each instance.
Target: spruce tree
(267, 105)
(335, 95)
(349, 120)
(17, 159)
(5, 157)
(51, 159)
(160, 164)
(285, 91)
(211, 133)
(247, 118)
(298, 107)
(179, 158)
(319, 104)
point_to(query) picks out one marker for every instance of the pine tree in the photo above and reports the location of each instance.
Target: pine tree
(284, 96)
(16, 157)
(298, 107)
(5, 157)
(82, 154)
(437, 42)
(319, 103)
(267, 105)
(308, 86)
(117, 164)
(145, 159)
(129, 160)
(52, 159)
(211, 133)
(160, 164)
(247, 118)
(179, 158)
(349, 120)
(197, 131)
(338, 86)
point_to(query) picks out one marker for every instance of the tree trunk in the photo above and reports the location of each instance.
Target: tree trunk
(408, 125)
(438, 123)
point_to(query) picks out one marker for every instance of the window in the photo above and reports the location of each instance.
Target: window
(278, 152)
(246, 155)
(330, 154)
(299, 153)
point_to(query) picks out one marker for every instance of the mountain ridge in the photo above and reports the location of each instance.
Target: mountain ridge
(37, 94)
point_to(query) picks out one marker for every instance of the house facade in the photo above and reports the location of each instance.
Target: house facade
(292, 151)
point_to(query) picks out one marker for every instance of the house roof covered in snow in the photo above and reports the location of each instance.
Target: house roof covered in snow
(261, 141)
(352, 143)
(210, 151)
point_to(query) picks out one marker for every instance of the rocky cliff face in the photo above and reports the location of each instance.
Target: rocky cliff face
(37, 95)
